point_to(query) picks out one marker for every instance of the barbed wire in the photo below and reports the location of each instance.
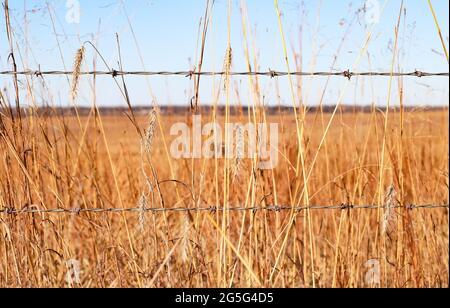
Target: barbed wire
(189, 74)
(213, 209)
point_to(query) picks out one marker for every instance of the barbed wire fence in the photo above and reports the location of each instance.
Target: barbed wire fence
(214, 209)
(189, 74)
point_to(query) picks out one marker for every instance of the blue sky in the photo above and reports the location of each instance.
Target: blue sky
(167, 34)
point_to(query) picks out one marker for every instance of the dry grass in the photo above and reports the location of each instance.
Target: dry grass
(178, 250)
(388, 158)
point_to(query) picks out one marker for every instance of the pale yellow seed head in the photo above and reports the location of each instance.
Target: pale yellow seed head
(77, 71)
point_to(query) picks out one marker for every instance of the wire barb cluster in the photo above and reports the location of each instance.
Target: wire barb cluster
(214, 209)
(189, 74)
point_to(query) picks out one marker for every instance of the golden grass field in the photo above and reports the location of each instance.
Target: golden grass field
(50, 162)
(358, 199)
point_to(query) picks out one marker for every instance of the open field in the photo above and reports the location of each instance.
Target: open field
(50, 162)
(224, 144)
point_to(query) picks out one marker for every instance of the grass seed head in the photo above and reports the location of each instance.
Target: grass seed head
(227, 66)
(389, 218)
(147, 141)
(142, 205)
(77, 72)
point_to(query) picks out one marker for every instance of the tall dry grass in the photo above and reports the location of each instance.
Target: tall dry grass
(389, 157)
(35, 247)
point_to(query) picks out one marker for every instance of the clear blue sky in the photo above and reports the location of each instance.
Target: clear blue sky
(167, 34)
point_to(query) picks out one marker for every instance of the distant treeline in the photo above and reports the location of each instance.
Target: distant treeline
(179, 110)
